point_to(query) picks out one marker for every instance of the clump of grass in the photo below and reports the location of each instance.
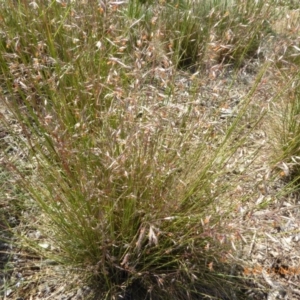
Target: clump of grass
(212, 32)
(287, 133)
(286, 105)
(132, 201)
(196, 34)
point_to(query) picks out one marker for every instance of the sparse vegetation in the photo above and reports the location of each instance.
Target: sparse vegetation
(128, 146)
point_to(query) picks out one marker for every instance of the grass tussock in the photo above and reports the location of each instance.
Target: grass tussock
(130, 195)
(286, 132)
